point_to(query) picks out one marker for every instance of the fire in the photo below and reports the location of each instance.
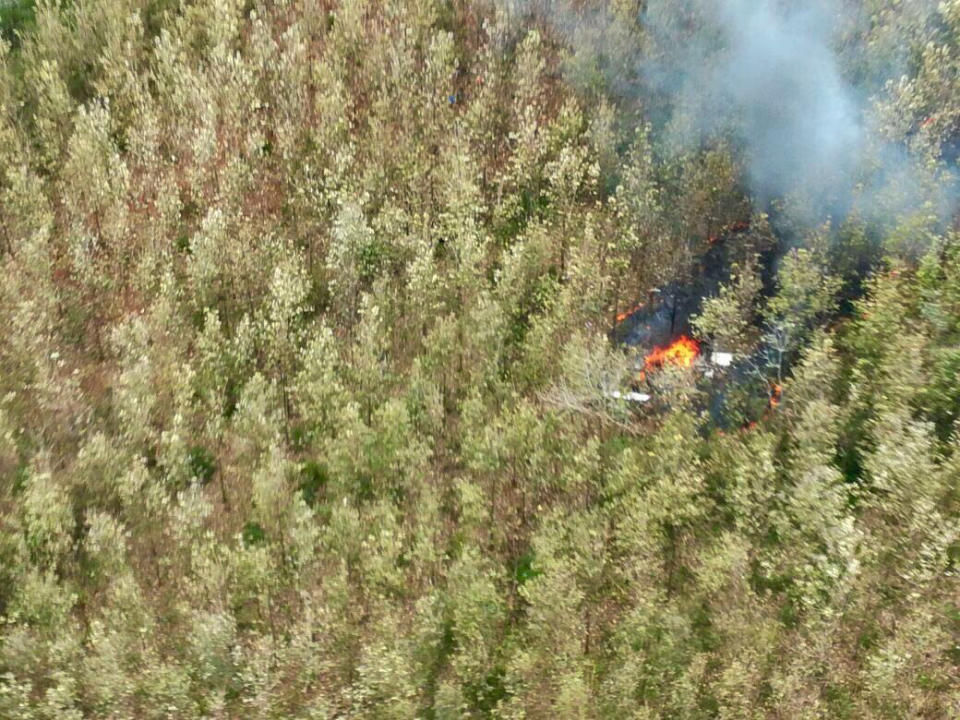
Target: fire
(736, 227)
(775, 392)
(681, 352)
(627, 313)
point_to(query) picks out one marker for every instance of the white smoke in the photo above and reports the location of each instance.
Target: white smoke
(767, 76)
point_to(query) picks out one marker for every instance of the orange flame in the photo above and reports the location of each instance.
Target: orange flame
(627, 313)
(681, 352)
(735, 227)
(775, 392)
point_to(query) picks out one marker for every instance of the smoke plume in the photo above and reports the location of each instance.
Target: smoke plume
(766, 75)
(775, 81)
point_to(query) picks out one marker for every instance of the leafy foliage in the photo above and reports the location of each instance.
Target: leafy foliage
(307, 396)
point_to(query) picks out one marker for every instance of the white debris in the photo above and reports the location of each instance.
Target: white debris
(629, 397)
(723, 359)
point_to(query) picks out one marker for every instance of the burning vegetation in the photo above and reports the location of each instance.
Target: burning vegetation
(776, 391)
(311, 394)
(682, 352)
(621, 316)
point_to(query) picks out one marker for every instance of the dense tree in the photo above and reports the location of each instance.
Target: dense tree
(313, 401)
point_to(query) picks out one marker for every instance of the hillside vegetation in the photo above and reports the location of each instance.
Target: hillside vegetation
(309, 342)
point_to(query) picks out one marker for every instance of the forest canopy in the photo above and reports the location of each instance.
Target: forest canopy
(440, 359)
